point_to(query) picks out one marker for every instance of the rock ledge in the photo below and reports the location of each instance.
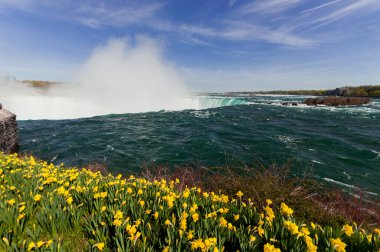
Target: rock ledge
(8, 132)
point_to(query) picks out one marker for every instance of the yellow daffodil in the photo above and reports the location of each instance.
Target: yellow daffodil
(31, 246)
(155, 215)
(338, 245)
(40, 243)
(270, 248)
(69, 200)
(195, 217)
(118, 215)
(37, 197)
(311, 247)
(260, 231)
(347, 230)
(117, 222)
(48, 243)
(99, 246)
(11, 202)
(285, 210)
(292, 227)
(239, 194)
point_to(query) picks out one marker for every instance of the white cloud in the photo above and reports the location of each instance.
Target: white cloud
(355, 9)
(245, 31)
(267, 6)
(89, 13)
(117, 16)
(248, 31)
(231, 3)
(321, 6)
(235, 31)
(236, 25)
(192, 40)
(351, 8)
(99, 14)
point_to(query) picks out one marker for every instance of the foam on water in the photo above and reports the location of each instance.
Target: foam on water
(348, 186)
(317, 162)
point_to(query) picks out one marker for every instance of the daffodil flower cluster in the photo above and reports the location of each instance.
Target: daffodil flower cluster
(44, 207)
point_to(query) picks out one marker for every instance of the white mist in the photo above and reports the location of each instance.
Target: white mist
(117, 78)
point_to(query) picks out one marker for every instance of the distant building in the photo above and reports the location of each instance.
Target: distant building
(338, 91)
(7, 78)
(333, 92)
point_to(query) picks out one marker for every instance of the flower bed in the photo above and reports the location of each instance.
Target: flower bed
(52, 208)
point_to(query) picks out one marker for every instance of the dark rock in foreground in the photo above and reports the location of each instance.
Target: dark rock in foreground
(8, 132)
(337, 101)
(289, 104)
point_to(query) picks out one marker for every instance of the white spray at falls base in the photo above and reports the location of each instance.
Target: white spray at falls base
(117, 78)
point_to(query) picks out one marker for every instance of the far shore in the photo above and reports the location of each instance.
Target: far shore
(372, 91)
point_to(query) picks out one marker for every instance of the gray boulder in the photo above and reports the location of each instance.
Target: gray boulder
(8, 132)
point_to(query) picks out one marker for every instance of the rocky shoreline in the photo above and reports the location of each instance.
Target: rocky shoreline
(331, 101)
(337, 101)
(8, 131)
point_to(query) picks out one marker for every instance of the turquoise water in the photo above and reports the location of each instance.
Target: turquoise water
(341, 145)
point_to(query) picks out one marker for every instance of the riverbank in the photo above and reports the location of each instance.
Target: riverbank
(81, 210)
(312, 199)
(347, 91)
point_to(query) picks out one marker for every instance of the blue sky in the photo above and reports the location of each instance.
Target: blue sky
(215, 45)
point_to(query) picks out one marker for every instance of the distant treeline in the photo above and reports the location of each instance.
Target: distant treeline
(361, 91)
(39, 83)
